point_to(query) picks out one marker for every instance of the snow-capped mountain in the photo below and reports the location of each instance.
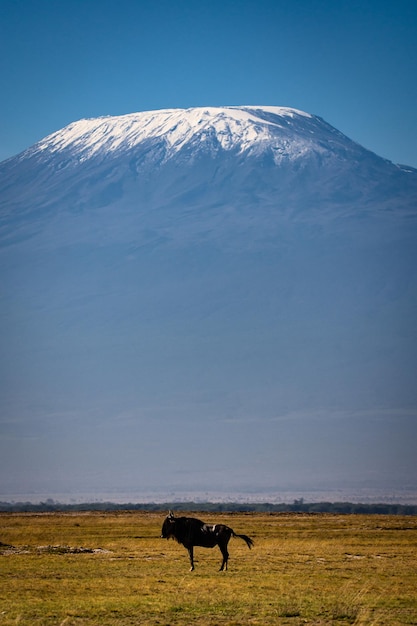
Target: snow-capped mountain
(169, 275)
(260, 156)
(232, 128)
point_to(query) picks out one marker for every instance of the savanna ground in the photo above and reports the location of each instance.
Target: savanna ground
(113, 568)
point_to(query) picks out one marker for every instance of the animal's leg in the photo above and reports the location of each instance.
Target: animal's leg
(191, 553)
(225, 558)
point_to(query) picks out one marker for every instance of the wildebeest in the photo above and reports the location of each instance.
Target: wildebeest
(191, 532)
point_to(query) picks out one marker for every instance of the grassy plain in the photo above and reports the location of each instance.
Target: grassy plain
(113, 569)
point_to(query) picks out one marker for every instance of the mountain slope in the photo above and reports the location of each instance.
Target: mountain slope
(271, 156)
(184, 290)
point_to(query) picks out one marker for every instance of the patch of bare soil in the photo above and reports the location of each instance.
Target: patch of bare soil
(6, 549)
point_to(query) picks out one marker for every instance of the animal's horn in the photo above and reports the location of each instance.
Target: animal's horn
(170, 515)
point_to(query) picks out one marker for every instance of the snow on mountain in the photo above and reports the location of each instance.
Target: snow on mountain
(273, 157)
(239, 128)
(171, 275)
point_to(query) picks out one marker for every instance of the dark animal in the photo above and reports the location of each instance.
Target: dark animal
(193, 532)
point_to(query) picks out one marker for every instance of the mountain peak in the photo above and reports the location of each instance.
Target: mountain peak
(229, 127)
(234, 155)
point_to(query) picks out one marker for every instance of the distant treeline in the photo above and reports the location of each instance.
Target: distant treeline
(298, 506)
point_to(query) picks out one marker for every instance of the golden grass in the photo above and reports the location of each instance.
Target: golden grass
(304, 569)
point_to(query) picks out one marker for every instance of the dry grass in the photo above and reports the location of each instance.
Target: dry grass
(95, 568)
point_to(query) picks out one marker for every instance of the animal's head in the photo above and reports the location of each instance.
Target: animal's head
(168, 527)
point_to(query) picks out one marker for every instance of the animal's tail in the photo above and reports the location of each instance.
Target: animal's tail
(245, 538)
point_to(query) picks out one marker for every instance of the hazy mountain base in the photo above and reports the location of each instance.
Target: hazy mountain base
(365, 495)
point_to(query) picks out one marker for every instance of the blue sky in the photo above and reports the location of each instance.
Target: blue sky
(352, 62)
